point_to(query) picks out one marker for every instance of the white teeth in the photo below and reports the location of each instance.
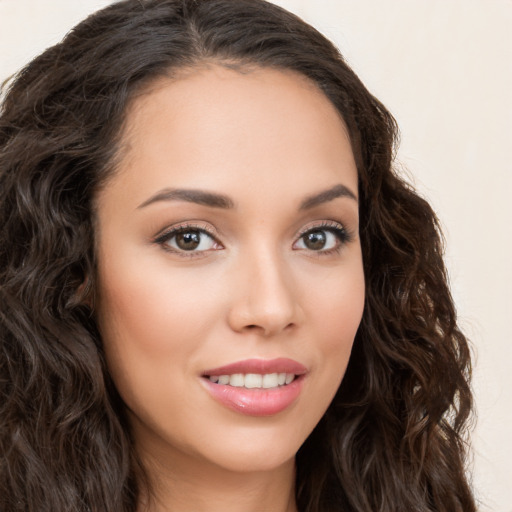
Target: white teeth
(270, 380)
(237, 380)
(254, 380)
(224, 379)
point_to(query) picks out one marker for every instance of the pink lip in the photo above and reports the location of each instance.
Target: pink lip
(260, 366)
(257, 402)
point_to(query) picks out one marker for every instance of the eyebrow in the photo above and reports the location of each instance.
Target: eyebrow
(221, 201)
(190, 196)
(326, 196)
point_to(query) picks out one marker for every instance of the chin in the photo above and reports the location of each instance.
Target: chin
(255, 460)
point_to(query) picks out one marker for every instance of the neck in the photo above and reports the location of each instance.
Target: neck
(181, 484)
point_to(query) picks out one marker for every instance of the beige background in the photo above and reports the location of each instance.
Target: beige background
(443, 67)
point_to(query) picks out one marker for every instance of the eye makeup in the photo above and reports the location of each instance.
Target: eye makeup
(324, 238)
(195, 239)
(188, 239)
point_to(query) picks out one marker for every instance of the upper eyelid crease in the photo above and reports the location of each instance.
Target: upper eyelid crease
(343, 235)
(166, 233)
(331, 225)
(324, 224)
(173, 230)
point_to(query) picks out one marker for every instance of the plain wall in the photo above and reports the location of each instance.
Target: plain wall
(443, 68)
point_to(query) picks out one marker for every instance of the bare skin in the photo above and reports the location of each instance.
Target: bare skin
(228, 234)
(209, 488)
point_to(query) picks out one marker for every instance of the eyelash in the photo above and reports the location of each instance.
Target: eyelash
(342, 235)
(164, 238)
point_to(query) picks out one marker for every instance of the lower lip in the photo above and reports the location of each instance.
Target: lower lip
(256, 402)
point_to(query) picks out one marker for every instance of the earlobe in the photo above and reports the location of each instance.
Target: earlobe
(83, 295)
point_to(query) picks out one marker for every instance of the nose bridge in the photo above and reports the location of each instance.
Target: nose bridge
(265, 299)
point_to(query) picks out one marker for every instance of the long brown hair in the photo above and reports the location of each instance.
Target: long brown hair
(393, 437)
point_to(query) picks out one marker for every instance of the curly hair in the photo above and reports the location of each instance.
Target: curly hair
(393, 437)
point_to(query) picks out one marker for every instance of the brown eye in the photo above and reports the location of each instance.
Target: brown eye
(188, 240)
(322, 239)
(315, 240)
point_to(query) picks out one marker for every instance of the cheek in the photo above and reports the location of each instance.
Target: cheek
(150, 308)
(150, 326)
(339, 302)
(338, 311)
(151, 337)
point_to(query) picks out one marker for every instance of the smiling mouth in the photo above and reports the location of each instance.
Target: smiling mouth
(253, 380)
(256, 387)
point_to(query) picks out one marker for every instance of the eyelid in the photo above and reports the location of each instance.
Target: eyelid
(342, 233)
(322, 224)
(188, 224)
(170, 231)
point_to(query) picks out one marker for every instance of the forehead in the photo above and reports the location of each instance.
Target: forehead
(212, 126)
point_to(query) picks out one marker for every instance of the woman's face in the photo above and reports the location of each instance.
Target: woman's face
(228, 262)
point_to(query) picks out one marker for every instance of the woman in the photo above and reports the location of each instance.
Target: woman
(216, 292)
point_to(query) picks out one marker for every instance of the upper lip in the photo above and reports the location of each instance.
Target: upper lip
(259, 366)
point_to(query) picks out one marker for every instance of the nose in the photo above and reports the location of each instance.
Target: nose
(264, 298)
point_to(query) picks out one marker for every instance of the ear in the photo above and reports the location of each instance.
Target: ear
(83, 295)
